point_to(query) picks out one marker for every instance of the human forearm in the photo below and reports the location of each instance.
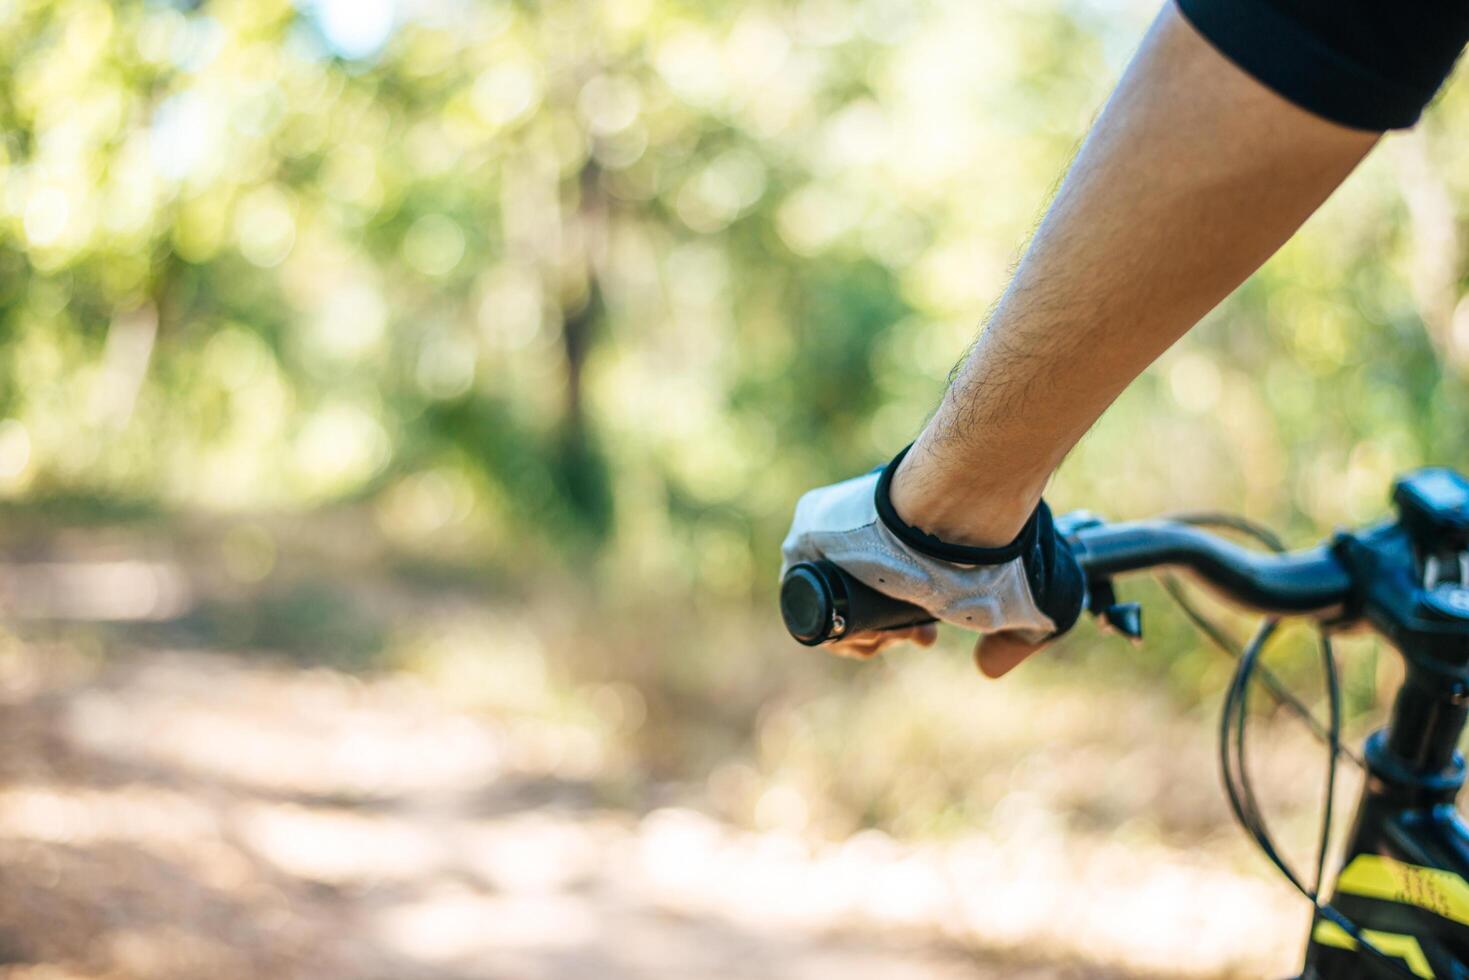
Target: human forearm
(1193, 175)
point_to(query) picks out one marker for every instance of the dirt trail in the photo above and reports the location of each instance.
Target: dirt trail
(178, 814)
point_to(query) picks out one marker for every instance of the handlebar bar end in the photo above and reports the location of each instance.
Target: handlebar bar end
(808, 606)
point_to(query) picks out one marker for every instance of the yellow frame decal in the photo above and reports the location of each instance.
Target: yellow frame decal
(1405, 948)
(1374, 876)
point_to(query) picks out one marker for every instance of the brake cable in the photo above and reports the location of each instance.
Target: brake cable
(1175, 589)
(1237, 784)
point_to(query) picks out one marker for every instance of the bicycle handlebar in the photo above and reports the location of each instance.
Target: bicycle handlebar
(820, 601)
(1295, 583)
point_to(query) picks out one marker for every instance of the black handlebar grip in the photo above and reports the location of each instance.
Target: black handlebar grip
(821, 602)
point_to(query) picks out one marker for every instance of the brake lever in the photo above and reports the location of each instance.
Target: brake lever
(1125, 618)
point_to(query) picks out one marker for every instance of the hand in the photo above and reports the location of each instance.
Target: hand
(865, 646)
(999, 653)
(995, 654)
(971, 514)
(1022, 593)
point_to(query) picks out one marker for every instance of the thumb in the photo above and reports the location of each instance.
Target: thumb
(996, 654)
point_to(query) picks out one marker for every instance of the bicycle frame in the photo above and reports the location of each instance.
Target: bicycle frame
(1404, 878)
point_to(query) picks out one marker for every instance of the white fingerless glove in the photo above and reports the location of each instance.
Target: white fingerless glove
(1032, 586)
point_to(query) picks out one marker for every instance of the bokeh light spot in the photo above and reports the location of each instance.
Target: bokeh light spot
(355, 28)
(46, 216)
(434, 245)
(265, 228)
(15, 452)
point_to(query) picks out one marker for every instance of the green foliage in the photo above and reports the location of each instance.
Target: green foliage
(625, 277)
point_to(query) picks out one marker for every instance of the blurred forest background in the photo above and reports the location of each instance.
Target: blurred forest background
(439, 375)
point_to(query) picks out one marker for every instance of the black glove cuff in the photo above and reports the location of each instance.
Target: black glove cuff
(934, 547)
(1055, 578)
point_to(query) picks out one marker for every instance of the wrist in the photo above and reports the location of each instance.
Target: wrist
(983, 510)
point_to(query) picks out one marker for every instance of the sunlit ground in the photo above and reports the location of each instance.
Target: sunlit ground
(172, 810)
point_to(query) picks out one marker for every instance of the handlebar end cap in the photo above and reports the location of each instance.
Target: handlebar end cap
(807, 604)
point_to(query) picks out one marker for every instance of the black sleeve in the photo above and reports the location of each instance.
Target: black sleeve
(1367, 64)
